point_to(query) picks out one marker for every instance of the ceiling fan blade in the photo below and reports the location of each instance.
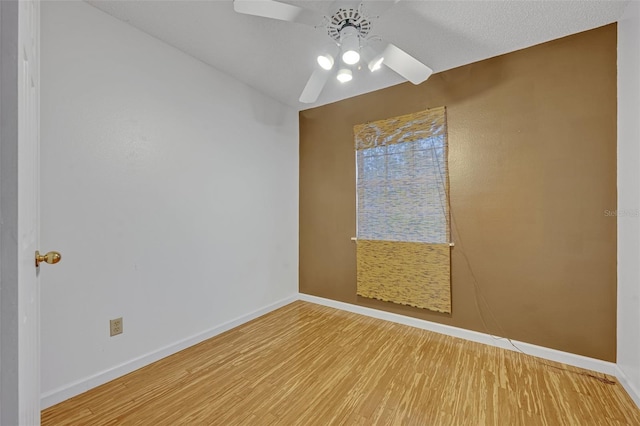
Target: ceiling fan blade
(314, 86)
(405, 64)
(277, 10)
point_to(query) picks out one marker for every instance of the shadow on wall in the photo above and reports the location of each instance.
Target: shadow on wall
(264, 111)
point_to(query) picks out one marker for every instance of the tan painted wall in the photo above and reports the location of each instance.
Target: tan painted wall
(532, 161)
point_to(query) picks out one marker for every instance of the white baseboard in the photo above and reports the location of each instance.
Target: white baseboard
(76, 388)
(633, 392)
(474, 336)
(68, 391)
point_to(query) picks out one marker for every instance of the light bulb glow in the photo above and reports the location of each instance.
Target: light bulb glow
(351, 57)
(376, 63)
(344, 75)
(325, 61)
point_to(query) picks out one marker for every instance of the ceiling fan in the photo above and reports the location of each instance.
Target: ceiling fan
(349, 29)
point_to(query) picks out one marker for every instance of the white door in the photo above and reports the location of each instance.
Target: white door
(19, 170)
(28, 209)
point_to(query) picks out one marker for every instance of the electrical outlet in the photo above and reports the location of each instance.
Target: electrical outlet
(115, 326)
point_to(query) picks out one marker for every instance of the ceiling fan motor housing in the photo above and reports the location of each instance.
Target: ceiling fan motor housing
(345, 19)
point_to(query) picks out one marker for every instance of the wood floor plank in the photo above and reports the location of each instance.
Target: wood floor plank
(306, 364)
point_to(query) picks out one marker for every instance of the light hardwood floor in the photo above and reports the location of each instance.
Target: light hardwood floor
(306, 364)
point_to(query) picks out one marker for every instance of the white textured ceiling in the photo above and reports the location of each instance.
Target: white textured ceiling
(277, 57)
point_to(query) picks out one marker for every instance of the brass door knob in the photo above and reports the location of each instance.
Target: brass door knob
(51, 258)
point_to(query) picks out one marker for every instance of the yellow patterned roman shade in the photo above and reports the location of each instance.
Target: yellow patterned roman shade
(403, 253)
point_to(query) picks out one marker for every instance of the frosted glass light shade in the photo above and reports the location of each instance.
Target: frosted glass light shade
(325, 61)
(376, 63)
(344, 75)
(350, 57)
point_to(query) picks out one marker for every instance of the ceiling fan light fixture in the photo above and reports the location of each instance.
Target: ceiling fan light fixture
(351, 57)
(376, 63)
(325, 61)
(344, 75)
(327, 57)
(349, 29)
(350, 42)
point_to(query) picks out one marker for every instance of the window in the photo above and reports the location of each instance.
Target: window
(403, 210)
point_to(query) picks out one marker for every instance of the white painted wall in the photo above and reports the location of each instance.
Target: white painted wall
(629, 199)
(170, 189)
